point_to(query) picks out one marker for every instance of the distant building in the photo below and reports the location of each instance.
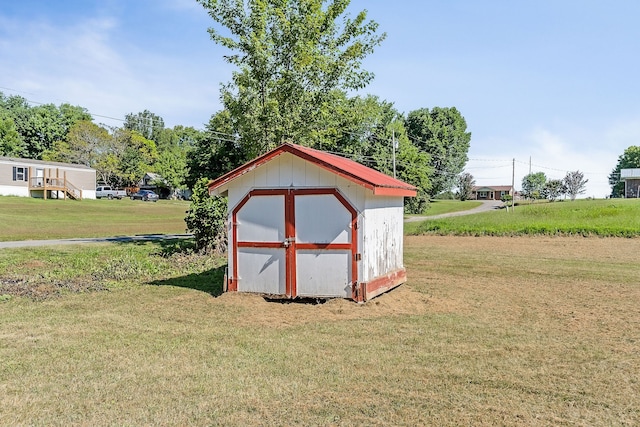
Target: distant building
(490, 192)
(631, 178)
(46, 180)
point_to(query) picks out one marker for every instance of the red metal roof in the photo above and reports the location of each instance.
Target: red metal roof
(379, 183)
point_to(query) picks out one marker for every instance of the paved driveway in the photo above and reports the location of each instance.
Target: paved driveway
(487, 205)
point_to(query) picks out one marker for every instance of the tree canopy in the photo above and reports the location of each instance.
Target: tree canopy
(533, 185)
(298, 66)
(290, 57)
(441, 132)
(630, 159)
(574, 183)
(465, 186)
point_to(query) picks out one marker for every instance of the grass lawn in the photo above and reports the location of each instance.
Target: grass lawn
(438, 207)
(612, 217)
(488, 331)
(533, 330)
(23, 218)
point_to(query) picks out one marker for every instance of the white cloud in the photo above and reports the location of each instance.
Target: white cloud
(555, 153)
(89, 63)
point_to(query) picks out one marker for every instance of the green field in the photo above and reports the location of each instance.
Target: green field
(438, 207)
(488, 331)
(605, 218)
(23, 218)
(521, 330)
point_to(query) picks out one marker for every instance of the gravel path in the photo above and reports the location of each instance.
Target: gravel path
(486, 205)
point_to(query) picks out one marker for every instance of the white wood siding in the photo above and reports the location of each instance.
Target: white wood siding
(383, 237)
(289, 171)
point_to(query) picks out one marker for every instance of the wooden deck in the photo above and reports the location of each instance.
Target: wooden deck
(50, 184)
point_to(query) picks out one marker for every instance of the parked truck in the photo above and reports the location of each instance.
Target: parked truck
(109, 193)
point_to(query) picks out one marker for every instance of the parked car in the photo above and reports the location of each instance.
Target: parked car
(109, 193)
(145, 195)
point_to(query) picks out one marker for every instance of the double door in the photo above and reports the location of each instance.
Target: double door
(294, 243)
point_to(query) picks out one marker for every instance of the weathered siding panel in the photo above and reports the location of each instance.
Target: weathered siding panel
(323, 273)
(383, 237)
(322, 219)
(261, 219)
(261, 270)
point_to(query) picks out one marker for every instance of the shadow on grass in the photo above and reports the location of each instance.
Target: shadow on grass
(209, 281)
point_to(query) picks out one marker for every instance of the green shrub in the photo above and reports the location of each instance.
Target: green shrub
(206, 219)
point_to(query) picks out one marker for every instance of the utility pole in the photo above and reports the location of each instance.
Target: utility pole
(393, 141)
(513, 188)
(529, 165)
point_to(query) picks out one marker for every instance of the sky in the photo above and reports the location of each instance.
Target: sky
(545, 86)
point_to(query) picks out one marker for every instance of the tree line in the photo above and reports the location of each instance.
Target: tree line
(363, 128)
(297, 67)
(120, 155)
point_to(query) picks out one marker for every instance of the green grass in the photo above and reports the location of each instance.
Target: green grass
(23, 218)
(146, 338)
(438, 207)
(606, 218)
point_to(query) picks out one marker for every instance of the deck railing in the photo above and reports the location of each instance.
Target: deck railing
(55, 184)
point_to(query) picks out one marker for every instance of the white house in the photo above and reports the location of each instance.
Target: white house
(37, 178)
(304, 223)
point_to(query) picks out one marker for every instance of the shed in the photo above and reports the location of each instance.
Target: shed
(305, 223)
(631, 178)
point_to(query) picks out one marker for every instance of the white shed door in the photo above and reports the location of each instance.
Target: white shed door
(298, 243)
(260, 252)
(323, 246)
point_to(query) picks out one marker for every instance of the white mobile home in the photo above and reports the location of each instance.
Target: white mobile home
(304, 223)
(41, 179)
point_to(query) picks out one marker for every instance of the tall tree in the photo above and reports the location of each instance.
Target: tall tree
(217, 152)
(11, 143)
(138, 157)
(441, 132)
(630, 159)
(465, 186)
(146, 123)
(533, 185)
(365, 129)
(41, 126)
(290, 55)
(574, 184)
(553, 189)
(84, 144)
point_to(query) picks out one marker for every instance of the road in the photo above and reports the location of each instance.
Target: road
(117, 239)
(486, 205)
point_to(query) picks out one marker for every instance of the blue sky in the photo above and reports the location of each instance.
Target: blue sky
(553, 83)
